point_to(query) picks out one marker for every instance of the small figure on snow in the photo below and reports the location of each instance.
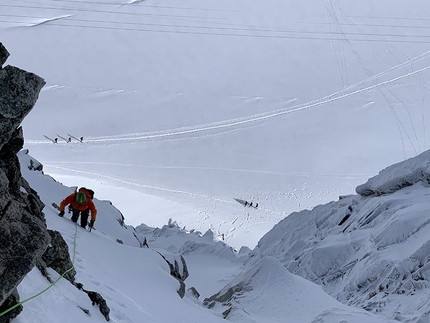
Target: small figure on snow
(80, 203)
(82, 139)
(246, 203)
(70, 139)
(145, 243)
(55, 140)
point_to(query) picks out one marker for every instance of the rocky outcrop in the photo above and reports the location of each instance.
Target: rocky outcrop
(4, 54)
(178, 269)
(57, 257)
(23, 234)
(10, 305)
(97, 299)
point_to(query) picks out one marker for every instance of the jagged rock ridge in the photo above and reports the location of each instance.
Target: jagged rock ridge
(25, 241)
(23, 234)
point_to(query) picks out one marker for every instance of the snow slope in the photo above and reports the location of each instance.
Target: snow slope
(185, 106)
(137, 286)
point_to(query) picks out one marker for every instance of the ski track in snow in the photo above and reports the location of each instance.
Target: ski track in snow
(53, 87)
(132, 2)
(252, 171)
(42, 21)
(220, 125)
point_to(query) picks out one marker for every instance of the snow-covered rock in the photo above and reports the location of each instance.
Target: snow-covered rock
(397, 176)
(371, 252)
(267, 292)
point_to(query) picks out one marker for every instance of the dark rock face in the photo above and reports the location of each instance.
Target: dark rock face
(4, 54)
(98, 300)
(11, 301)
(193, 291)
(179, 272)
(23, 234)
(57, 257)
(19, 93)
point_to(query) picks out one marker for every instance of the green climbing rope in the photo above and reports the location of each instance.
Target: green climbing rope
(41, 292)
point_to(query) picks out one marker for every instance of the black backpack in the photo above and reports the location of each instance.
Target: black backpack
(89, 191)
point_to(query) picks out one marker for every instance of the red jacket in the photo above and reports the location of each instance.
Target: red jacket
(88, 204)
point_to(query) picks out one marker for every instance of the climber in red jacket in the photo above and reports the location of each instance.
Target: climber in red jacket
(81, 202)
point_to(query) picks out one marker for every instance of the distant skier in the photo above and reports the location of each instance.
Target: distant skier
(55, 140)
(81, 203)
(70, 139)
(82, 139)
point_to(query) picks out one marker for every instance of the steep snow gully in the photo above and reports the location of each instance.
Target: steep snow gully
(369, 251)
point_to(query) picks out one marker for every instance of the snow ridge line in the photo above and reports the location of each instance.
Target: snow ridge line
(298, 174)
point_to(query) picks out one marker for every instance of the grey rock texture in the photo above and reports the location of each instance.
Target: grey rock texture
(57, 257)
(4, 54)
(11, 301)
(19, 92)
(179, 271)
(98, 300)
(23, 234)
(193, 291)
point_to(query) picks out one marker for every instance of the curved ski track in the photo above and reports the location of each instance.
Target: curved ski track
(222, 125)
